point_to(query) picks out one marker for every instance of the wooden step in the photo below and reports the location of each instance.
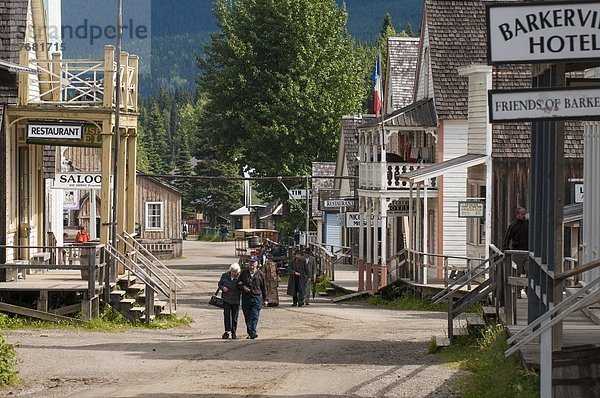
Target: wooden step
(323, 294)
(351, 296)
(117, 294)
(136, 289)
(461, 331)
(127, 303)
(474, 320)
(143, 318)
(137, 312)
(442, 341)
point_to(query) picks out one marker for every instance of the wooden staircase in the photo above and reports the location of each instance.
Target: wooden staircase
(129, 298)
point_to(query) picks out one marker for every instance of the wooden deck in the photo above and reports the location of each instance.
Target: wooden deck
(50, 280)
(578, 330)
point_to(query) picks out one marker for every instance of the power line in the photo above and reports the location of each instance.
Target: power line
(260, 178)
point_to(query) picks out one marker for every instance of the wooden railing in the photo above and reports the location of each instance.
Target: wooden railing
(384, 176)
(328, 259)
(80, 82)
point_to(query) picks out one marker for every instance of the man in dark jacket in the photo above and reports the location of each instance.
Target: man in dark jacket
(254, 293)
(517, 238)
(299, 274)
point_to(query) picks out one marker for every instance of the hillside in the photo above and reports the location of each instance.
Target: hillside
(179, 29)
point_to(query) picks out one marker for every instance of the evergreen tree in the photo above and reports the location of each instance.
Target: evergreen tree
(277, 79)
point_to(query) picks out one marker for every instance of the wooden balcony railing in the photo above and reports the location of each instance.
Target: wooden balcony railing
(81, 82)
(384, 176)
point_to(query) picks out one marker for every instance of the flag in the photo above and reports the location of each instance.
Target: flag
(377, 89)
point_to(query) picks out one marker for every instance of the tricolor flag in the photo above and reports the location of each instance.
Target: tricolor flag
(377, 89)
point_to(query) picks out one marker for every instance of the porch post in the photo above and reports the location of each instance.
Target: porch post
(368, 214)
(105, 185)
(361, 245)
(425, 232)
(384, 235)
(131, 179)
(376, 246)
(418, 236)
(411, 236)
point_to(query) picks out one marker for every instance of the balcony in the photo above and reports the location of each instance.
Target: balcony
(80, 82)
(386, 176)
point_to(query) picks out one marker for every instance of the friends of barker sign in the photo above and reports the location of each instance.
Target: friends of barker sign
(543, 32)
(557, 103)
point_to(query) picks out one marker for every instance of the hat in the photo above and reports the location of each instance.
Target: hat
(253, 258)
(307, 250)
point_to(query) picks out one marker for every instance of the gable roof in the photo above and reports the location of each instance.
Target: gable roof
(455, 32)
(420, 114)
(402, 56)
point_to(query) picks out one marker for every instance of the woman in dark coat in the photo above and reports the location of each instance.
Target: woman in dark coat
(231, 297)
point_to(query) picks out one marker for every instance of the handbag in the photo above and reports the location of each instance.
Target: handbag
(216, 300)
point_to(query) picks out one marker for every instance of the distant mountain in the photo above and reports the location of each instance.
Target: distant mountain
(177, 31)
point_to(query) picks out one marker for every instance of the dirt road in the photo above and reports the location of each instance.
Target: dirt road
(323, 350)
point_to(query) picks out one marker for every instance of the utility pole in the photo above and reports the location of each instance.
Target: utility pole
(307, 210)
(117, 124)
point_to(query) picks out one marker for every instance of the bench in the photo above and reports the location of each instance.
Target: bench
(42, 258)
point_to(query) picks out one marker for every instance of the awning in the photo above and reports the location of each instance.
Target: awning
(418, 115)
(438, 169)
(12, 67)
(242, 211)
(276, 212)
(573, 213)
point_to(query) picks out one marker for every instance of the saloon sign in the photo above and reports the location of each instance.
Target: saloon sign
(77, 181)
(543, 32)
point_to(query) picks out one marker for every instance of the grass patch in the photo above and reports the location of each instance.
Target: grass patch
(110, 320)
(8, 364)
(488, 372)
(323, 282)
(407, 302)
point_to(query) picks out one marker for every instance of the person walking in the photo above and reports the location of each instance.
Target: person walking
(224, 232)
(517, 238)
(312, 275)
(254, 294)
(231, 299)
(298, 270)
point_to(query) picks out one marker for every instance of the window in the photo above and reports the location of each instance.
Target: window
(154, 216)
(476, 226)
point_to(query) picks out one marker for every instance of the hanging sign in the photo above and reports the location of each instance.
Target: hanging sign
(471, 209)
(333, 203)
(543, 32)
(578, 190)
(537, 104)
(77, 181)
(55, 131)
(298, 194)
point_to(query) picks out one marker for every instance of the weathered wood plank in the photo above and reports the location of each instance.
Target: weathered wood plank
(13, 309)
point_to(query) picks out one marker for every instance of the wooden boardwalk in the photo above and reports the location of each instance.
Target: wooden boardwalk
(578, 329)
(50, 280)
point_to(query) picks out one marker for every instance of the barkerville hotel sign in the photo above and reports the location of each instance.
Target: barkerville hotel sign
(543, 32)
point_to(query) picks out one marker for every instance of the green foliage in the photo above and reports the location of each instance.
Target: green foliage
(432, 346)
(323, 282)
(110, 320)
(489, 372)
(408, 302)
(8, 363)
(277, 79)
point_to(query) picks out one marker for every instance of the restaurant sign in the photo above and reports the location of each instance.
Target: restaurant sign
(538, 104)
(543, 32)
(334, 203)
(54, 131)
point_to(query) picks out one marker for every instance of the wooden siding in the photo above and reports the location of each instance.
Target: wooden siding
(511, 189)
(149, 190)
(477, 114)
(454, 189)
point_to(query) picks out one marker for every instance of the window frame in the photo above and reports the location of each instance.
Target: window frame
(161, 216)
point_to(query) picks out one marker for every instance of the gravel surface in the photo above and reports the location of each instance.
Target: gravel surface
(323, 350)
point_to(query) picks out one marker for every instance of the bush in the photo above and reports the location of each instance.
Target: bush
(490, 373)
(8, 363)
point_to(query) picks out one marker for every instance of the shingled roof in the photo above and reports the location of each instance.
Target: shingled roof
(403, 53)
(13, 17)
(457, 37)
